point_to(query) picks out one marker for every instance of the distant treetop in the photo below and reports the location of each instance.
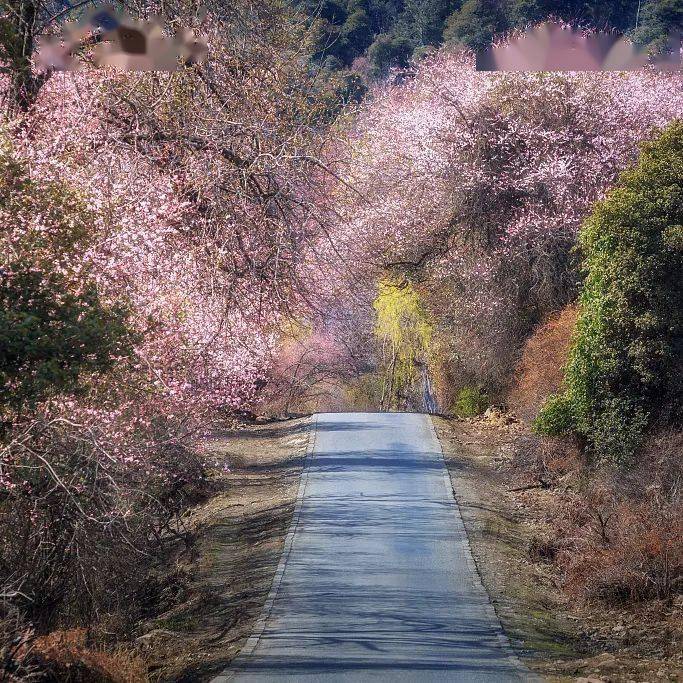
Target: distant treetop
(372, 36)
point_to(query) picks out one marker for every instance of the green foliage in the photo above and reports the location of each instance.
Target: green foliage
(53, 324)
(50, 334)
(624, 366)
(405, 332)
(389, 32)
(357, 32)
(658, 19)
(470, 401)
(387, 52)
(556, 417)
(476, 23)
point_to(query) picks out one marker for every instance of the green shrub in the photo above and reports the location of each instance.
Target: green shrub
(556, 417)
(54, 325)
(50, 334)
(623, 370)
(470, 401)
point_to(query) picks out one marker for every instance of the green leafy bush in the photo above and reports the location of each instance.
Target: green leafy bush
(556, 416)
(54, 325)
(51, 334)
(624, 365)
(470, 401)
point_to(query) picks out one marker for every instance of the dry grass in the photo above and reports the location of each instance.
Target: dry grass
(621, 537)
(66, 655)
(539, 372)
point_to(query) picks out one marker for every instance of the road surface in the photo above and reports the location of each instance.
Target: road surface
(376, 581)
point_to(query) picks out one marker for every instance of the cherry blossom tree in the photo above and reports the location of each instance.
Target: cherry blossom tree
(474, 185)
(201, 192)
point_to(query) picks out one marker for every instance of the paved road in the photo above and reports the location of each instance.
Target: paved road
(377, 580)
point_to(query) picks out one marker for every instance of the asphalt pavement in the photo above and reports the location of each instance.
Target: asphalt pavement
(377, 580)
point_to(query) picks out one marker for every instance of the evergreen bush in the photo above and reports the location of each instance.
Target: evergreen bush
(624, 366)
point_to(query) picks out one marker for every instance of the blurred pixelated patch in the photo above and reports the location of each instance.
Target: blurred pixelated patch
(556, 47)
(121, 42)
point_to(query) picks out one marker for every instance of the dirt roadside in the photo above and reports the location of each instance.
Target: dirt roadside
(213, 591)
(558, 638)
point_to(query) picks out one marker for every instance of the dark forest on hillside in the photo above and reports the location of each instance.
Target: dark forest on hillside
(379, 34)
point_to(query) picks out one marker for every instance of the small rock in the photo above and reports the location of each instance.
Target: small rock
(157, 634)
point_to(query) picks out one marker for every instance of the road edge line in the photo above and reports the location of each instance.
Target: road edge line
(260, 624)
(524, 671)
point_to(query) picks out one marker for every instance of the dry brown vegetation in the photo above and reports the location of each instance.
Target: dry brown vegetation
(617, 533)
(68, 656)
(63, 655)
(616, 536)
(529, 507)
(539, 372)
(195, 608)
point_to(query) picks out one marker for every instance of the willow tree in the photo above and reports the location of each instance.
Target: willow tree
(404, 330)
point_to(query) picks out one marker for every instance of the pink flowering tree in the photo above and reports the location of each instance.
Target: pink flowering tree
(474, 185)
(197, 204)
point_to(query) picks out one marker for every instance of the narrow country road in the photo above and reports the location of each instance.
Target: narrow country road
(377, 581)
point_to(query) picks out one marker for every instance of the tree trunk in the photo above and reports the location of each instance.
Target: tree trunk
(18, 42)
(392, 376)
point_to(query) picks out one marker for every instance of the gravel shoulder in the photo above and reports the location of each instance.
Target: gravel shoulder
(214, 590)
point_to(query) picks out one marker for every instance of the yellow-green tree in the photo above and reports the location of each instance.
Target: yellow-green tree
(404, 330)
